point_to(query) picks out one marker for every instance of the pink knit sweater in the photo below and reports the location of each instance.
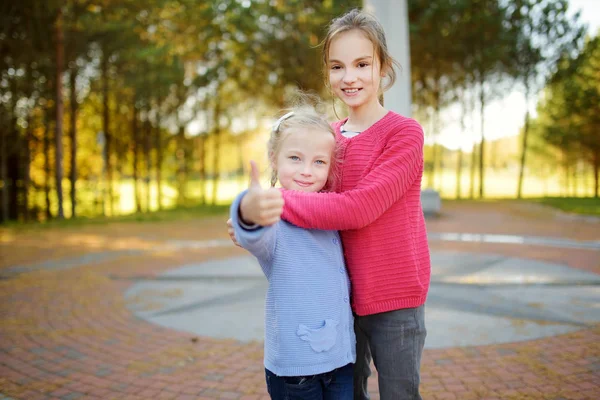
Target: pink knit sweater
(378, 211)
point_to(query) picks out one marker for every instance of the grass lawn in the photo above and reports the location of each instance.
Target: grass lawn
(500, 185)
(576, 205)
(172, 214)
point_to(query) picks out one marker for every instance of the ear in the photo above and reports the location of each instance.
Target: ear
(383, 72)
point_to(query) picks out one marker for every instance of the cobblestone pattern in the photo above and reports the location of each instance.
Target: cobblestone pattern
(67, 334)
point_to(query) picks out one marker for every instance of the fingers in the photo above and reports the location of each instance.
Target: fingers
(254, 176)
(268, 209)
(270, 219)
(262, 207)
(271, 198)
(231, 232)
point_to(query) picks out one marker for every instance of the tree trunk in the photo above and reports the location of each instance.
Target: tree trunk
(147, 147)
(575, 179)
(241, 176)
(202, 172)
(439, 167)
(73, 135)
(567, 184)
(181, 157)
(431, 172)
(135, 139)
(473, 147)
(107, 135)
(434, 156)
(4, 142)
(473, 169)
(596, 167)
(4, 173)
(463, 127)
(13, 157)
(47, 163)
(435, 162)
(482, 145)
(524, 145)
(58, 159)
(217, 150)
(458, 173)
(545, 178)
(27, 167)
(159, 157)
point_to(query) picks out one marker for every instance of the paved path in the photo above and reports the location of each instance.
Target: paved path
(80, 310)
(474, 299)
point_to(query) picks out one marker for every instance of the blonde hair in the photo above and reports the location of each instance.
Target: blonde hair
(372, 29)
(302, 116)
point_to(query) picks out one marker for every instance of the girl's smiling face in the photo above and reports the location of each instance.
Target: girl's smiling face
(304, 159)
(354, 70)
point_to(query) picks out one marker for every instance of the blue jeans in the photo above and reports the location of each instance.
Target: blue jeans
(395, 339)
(333, 385)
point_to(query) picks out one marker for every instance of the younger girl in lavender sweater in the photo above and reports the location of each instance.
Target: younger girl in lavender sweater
(309, 346)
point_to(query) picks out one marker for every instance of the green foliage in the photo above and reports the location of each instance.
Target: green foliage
(568, 112)
(545, 32)
(144, 70)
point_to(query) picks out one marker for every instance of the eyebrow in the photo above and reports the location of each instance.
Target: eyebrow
(299, 152)
(358, 59)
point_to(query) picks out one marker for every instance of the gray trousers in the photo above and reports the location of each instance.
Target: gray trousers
(395, 340)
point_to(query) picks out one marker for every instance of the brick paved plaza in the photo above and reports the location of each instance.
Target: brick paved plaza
(67, 330)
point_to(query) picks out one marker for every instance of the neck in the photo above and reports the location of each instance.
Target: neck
(361, 118)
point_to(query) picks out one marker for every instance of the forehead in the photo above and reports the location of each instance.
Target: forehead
(350, 45)
(307, 138)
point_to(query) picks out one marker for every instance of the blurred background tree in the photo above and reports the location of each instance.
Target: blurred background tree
(139, 105)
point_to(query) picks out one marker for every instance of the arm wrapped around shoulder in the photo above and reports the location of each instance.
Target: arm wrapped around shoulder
(394, 172)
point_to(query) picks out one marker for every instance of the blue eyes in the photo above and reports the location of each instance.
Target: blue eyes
(296, 158)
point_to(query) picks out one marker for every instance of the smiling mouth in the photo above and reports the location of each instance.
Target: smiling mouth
(303, 184)
(351, 91)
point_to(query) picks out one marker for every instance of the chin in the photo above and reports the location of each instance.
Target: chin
(355, 103)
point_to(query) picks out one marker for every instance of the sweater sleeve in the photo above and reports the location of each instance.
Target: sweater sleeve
(260, 241)
(393, 173)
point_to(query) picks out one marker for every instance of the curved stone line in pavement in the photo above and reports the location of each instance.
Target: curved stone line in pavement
(69, 262)
(476, 299)
(173, 245)
(188, 278)
(447, 236)
(514, 239)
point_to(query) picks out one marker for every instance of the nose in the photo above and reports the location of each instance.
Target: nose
(306, 170)
(349, 76)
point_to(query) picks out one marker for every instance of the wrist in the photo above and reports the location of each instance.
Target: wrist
(243, 212)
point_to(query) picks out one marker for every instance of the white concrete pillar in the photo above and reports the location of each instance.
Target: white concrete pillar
(393, 15)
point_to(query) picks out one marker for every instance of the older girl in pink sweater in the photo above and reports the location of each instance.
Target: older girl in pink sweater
(377, 208)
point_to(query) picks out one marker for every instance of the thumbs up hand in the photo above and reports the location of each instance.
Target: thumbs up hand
(260, 206)
(254, 176)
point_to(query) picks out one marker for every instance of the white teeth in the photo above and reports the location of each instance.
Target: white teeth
(351, 90)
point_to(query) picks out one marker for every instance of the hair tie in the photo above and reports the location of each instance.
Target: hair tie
(280, 120)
